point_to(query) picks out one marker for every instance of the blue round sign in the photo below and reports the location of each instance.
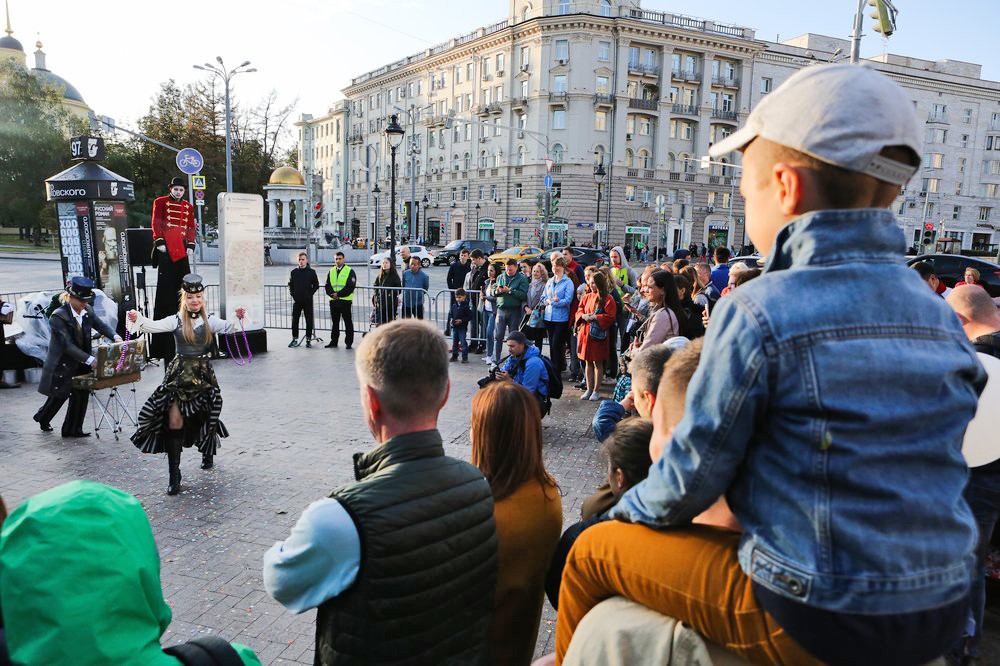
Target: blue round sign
(189, 161)
(548, 181)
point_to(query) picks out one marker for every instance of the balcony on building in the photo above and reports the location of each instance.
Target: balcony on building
(494, 108)
(685, 74)
(726, 81)
(356, 137)
(685, 109)
(604, 99)
(938, 117)
(643, 104)
(723, 114)
(519, 103)
(481, 110)
(558, 98)
(643, 69)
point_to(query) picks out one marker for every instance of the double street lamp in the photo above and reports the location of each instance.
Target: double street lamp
(394, 135)
(599, 175)
(226, 76)
(375, 228)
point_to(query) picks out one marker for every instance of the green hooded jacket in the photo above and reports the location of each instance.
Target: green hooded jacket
(80, 581)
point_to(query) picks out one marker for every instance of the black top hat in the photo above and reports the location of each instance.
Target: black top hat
(177, 181)
(82, 288)
(192, 284)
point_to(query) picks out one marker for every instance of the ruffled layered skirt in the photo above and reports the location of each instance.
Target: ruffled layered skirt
(190, 383)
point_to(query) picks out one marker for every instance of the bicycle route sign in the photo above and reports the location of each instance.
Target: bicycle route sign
(189, 161)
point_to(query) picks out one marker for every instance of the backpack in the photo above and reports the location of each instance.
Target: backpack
(555, 384)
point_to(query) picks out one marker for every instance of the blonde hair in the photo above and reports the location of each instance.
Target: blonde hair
(406, 363)
(187, 328)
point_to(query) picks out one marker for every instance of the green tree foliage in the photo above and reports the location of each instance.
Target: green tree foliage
(195, 116)
(34, 131)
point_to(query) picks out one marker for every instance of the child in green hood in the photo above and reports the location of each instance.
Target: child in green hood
(80, 581)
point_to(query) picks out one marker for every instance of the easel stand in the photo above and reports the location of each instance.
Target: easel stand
(114, 408)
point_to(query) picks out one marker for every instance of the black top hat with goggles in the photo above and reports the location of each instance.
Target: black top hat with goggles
(192, 284)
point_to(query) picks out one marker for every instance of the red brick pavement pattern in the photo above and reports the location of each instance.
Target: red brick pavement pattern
(294, 419)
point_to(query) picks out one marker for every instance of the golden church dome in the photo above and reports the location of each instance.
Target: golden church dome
(286, 175)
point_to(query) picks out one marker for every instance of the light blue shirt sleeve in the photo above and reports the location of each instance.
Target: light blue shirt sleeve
(319, 560)
(723, 400)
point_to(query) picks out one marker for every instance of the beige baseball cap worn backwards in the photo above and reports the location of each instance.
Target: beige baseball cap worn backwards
(840, 114)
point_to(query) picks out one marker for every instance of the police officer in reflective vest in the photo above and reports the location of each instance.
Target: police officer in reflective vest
(339, 287)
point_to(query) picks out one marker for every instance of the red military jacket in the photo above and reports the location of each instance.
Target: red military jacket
(173, 226)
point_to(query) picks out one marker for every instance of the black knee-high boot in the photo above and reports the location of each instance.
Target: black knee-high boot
(174, 440)
(207, 460)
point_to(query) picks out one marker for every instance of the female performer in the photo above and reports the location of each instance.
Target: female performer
(184, 410)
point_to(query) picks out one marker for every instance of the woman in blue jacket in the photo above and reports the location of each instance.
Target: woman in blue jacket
(558, 296)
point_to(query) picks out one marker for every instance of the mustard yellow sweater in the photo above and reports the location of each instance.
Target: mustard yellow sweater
(529, 523)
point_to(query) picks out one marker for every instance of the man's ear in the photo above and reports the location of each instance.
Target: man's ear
(447, 392)
(789, 185)
(369, 395)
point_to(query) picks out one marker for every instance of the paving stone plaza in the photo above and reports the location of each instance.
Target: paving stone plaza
(295, 422)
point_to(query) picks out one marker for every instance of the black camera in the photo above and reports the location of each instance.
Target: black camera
(488, 379)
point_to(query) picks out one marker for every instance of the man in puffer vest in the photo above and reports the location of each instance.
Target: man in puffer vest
(401, 563)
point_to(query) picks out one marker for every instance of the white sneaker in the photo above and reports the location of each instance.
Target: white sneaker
(595, 397)
(586, 395)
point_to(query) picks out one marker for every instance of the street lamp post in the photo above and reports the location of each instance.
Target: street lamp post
(477, 221)
(599, 176)
(423, 205)
(226, 76)
(374, 230)
(394, 135)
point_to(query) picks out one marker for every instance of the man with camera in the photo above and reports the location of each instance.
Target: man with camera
(525, 366)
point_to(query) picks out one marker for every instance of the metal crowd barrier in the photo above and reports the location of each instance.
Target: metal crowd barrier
(278, 307)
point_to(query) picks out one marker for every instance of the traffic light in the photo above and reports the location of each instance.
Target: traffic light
(884, 15)
(928, 235)
(319, 210)
(540, 205)
(554, 206)
(451, 119)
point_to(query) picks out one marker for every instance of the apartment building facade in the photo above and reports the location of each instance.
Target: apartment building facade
(644, 93)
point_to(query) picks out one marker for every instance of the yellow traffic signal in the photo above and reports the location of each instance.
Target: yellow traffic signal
(884, 15)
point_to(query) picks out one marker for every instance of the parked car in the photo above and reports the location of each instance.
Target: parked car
(950, 268)
(519, 253)
(449, 253)
(588, 256)
(750, 261)
(585, 256)
(419, 251)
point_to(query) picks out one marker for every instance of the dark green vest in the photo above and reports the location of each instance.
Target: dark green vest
(424, 591)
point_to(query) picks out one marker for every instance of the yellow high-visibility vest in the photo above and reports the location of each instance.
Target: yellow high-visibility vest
(338, 280)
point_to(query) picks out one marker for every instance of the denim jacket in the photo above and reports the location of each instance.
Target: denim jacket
(563, 290)
(832, 416)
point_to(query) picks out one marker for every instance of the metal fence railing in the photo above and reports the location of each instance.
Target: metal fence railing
(370, 306)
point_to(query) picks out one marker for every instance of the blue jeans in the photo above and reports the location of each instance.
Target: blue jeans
(506, 321)
(459, 342)
(983, 495)
(491, 320)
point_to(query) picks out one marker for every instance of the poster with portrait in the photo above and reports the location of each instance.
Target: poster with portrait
(113, 265)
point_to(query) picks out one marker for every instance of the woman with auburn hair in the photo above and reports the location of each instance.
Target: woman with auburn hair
(594, 320)
(506, 436)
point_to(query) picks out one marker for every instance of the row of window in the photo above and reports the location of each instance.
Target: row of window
(985, 212)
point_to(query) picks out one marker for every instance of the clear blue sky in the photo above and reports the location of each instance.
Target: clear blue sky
(309, 49)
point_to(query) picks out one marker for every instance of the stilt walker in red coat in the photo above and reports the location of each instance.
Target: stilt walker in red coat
(173, 240)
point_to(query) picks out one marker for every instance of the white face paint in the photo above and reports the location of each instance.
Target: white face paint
(177, 192)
